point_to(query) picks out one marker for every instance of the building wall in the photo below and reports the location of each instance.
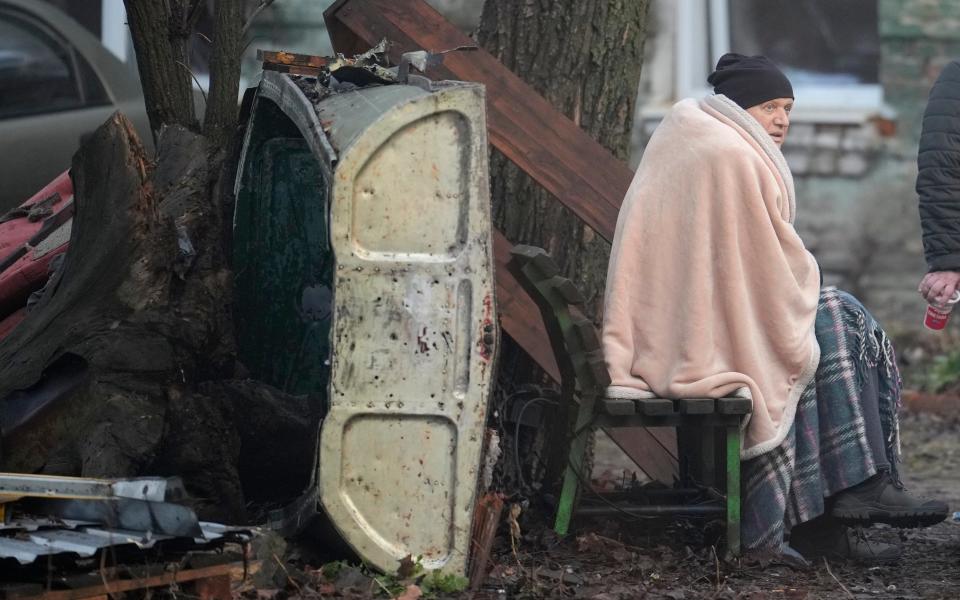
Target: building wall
(865, 229)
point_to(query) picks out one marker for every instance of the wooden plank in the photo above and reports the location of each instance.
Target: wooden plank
(616, 407)
(734, 406)
(654, 449)
(125, 585)
(695, 406)
(654, 406)
(553, 150)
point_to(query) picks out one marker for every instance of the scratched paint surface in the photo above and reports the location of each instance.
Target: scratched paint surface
(411, 371)
(413, 323)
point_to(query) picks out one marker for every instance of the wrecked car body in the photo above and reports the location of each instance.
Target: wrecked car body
(363, 274)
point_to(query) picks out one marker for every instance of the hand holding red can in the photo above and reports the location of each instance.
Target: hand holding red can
(938, 314)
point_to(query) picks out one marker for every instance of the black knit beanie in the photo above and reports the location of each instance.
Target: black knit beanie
(749, 80)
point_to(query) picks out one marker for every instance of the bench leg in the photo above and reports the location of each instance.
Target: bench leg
(574, 467)
(733, 489)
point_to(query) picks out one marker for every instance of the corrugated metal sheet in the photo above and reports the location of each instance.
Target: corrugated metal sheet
(26, 539)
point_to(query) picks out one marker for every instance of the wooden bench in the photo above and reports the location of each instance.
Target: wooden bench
(708, 428)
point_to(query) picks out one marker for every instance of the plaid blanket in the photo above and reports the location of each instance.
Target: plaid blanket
(827, 449)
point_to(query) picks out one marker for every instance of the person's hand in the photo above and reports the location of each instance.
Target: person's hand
(939, 286)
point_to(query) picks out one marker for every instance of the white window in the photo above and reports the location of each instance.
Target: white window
(829, 50)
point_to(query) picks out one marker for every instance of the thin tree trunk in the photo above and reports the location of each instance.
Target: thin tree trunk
(221, 114)
(160, 39)
(585, 57)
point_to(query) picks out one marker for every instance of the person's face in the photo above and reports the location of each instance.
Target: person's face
(774, 116)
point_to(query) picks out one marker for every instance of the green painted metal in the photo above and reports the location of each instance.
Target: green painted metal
(283, 263)
(580, 384)
(572, 474)
(733, 489)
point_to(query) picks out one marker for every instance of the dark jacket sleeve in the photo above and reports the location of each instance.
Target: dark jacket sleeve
(938, 172)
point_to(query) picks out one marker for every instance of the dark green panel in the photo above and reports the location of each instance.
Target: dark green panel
(283, 264)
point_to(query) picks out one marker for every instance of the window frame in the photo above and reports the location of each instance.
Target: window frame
(80, 68)
(706, 33)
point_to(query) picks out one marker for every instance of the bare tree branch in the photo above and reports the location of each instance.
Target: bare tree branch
(195, 80)
(166, 87)
(193, 15)
(264, 4)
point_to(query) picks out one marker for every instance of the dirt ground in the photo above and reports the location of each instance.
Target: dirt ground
(615, 559)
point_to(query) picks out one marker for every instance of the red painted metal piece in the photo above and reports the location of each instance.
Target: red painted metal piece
(25, 271)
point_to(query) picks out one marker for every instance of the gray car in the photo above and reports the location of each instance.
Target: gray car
(57, 83)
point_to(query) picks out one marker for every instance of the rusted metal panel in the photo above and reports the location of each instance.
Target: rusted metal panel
(268, 58)
(414, 323)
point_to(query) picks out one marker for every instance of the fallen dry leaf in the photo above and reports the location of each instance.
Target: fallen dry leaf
(411, 593)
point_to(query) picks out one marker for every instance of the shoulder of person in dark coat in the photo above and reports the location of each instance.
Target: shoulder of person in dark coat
(948, 82)
(938, 172)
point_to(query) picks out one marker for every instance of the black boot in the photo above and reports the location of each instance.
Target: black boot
(881, 499)
(827, 537)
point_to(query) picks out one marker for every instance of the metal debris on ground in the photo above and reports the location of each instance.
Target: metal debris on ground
(75, 537)
(25, 538)
(20, 485)
(422, 60)
(400, 166)
(332, 72)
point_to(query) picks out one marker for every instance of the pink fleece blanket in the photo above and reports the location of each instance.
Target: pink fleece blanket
(710, 291)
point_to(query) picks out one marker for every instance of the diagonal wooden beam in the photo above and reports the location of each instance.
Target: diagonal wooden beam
(525, 127)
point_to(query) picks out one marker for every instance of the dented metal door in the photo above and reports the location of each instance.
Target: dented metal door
(413, 332)
(411, 371)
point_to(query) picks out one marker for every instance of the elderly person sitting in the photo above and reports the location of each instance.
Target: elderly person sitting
(711, 293)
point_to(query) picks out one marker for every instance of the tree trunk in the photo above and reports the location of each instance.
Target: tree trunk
(584, 56)
(160, 32)
(221, 115)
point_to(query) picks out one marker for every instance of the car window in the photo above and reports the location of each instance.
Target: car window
(38, 74)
